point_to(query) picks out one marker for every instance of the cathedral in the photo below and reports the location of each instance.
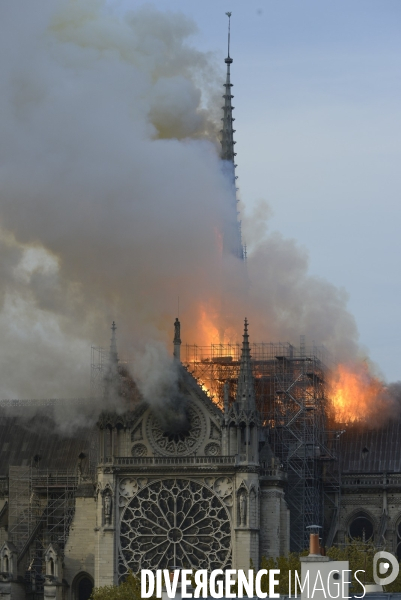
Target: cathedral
(235, 467)
(188, 485)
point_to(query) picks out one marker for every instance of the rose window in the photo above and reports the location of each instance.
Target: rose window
(175, 522)
(172, 443)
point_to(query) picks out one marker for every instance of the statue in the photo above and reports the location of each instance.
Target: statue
(242, 509)
(177, 332)
(107, 509)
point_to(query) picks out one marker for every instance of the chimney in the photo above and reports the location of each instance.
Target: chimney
(314, 545)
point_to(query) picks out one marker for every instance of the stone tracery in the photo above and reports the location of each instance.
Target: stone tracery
(175, 522)
(185, 442)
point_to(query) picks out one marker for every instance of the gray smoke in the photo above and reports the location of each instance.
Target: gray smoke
(113, 200)
(157, 377)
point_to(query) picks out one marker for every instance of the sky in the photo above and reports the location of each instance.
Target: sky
(318, 123)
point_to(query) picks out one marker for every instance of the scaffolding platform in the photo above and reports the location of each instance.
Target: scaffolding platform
(290, 388)
(41, 509)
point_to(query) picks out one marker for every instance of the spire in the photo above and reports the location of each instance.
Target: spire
(232, 242)
(246, 389)
(177, 338)
(113, 345)
(227, 133)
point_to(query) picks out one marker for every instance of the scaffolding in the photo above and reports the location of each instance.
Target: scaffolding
(108, 380)
(41, 509)
(291, 397)
(99, 362)
(290, 388)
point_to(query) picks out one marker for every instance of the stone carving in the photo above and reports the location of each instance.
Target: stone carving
(139, 450)
(128, 487)
(107, 505)
(253, 508)
(175, 522)
(242, 509)
(215, 433)
(224, 489)
(136, 434)
(223, 486)
(182, 443)
(212, 449)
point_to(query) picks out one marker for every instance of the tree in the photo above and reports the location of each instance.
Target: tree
(359, 554)
(130, 589)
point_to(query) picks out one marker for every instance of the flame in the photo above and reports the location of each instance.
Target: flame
(357, 395)
(207, 330)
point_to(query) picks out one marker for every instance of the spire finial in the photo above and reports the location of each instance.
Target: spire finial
(246, 389)
(229, 27)
(233, 240)
(177, 338)
(227, 133)
(113, 344)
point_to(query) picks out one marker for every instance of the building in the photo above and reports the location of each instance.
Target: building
(201, 489)
(215, 486)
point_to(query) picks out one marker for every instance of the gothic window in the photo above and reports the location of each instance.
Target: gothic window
(85, 588)
(82, 587)
(361, 527)
(252, 508)
(183, 442)
(175, 523)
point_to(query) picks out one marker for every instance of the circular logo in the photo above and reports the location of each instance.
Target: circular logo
(384, 567)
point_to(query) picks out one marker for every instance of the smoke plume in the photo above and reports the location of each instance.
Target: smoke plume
(113, 201)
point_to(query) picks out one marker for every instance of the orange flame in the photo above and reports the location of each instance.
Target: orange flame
(208, 332)
(358, 396)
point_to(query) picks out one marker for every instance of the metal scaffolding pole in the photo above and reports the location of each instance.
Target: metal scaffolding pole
(291, 395)
(42, 507)
(290, 386)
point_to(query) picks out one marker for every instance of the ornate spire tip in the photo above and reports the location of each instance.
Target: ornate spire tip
(228, 59)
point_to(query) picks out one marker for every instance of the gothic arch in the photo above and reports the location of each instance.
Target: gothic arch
(108, 489)
(253, 507)
(360, 523)
(82, 586)
(242, 496)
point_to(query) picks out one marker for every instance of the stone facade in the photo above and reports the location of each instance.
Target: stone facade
(200, 493)
(370, 508)
(184, 484)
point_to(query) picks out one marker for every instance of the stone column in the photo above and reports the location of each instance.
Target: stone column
(53, 586)
(105, 569)
(246, 536)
